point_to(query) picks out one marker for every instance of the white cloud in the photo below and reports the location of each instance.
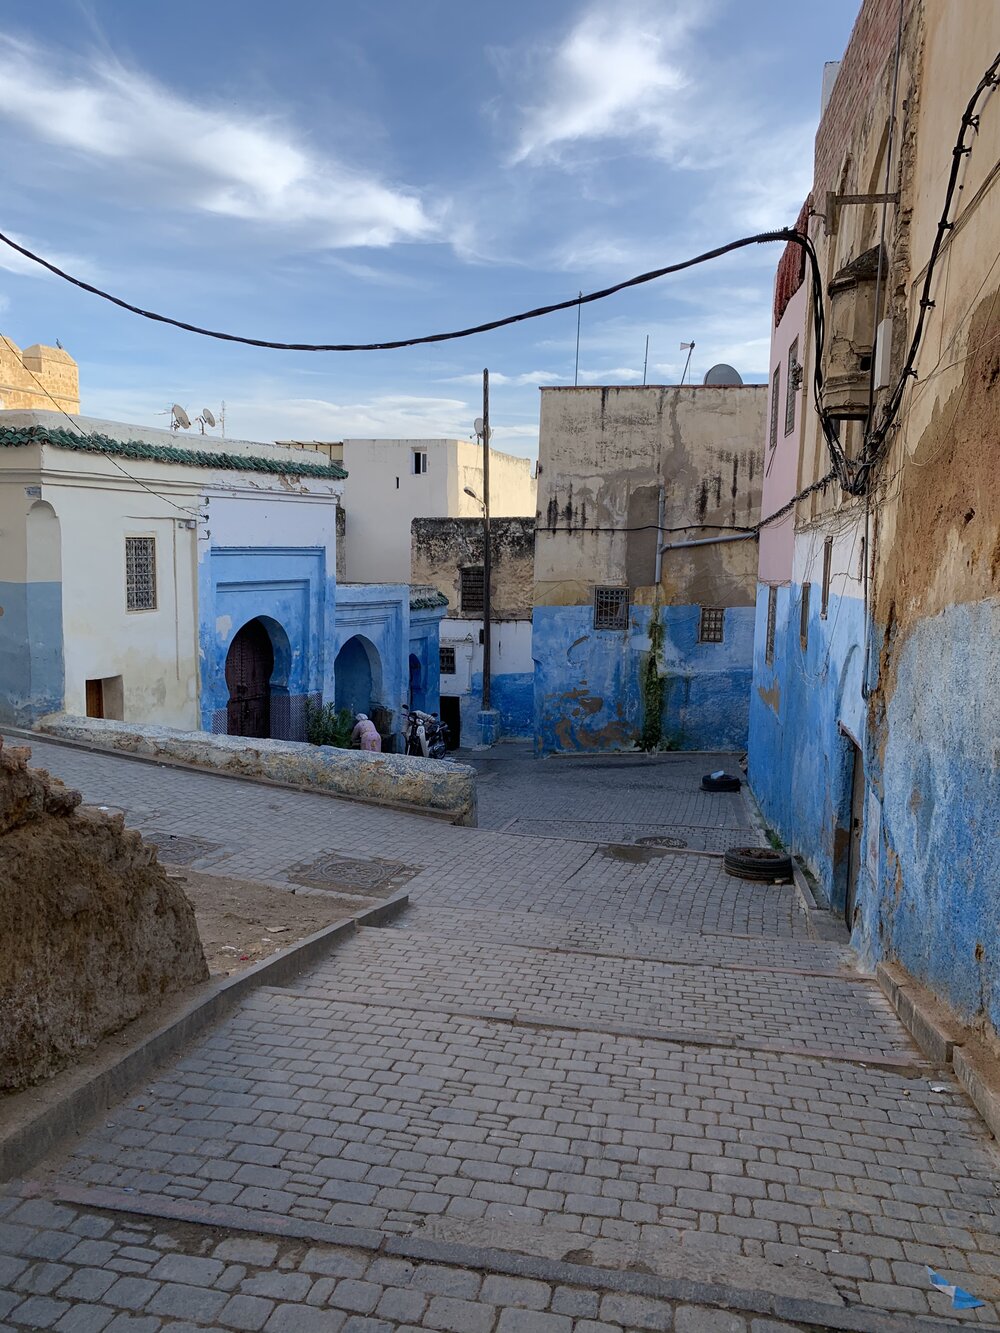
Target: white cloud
(11, 261)
(611, 376)
(498, 377)
(615, 75)
(221, 160)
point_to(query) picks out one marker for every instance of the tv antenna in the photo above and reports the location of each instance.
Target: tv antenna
(689, 348)
(179, 419)
(207, 418)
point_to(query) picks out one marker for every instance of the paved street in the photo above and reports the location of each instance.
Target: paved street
(580, 1071)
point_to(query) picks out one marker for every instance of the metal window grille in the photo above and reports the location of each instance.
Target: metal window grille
(827, 568)
(471, 591)
(610, 608)
(140, 573)
(712, 624)
(804, 617)
(791, 386)
(775, 394)
(447, 661)
(772, 620)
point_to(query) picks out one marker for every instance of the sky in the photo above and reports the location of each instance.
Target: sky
(359, 172)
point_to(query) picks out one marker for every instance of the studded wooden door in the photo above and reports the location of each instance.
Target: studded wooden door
(249, 665)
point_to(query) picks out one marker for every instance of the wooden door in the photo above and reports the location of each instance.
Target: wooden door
(854, 846)
(249, 665)
(95, 698)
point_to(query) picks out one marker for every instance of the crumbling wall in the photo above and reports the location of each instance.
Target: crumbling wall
(92, 932)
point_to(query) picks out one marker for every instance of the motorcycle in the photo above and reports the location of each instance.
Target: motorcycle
(425, 735)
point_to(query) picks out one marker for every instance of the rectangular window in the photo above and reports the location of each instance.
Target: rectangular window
(791, 386)
(772, 620)
(804, 617)
(447, 661)
(775, 394)
(140, 573)
(610, 608)
(471, 590)
(419, 462)
(827, 563)
(712, 624)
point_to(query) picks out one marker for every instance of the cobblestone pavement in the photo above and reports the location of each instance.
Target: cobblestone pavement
(575, 1088)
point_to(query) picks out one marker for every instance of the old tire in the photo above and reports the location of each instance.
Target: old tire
(759, 863)
(726, 783)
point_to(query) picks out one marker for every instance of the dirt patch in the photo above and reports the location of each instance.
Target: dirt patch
(242, 921)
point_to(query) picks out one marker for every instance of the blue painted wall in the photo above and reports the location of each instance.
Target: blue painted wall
(31, 651)
(938, 909)
(800, 759)
(288, 586)
(587, 688)
(379, 614)
(425, 646)
(512, 695)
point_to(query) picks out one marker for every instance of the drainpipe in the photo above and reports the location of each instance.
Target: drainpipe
(659, 529)
(707, 541)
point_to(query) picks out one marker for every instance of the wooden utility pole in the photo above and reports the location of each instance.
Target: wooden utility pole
(487, 629)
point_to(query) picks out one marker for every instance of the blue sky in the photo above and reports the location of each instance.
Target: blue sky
(363, 171)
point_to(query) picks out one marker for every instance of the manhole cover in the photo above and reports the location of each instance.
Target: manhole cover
(178, 850)
(661, 841)
(374, 877)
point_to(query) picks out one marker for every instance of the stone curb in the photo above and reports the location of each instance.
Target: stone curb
(945, 1040)
(817, 1316)
(162, 761)
(30, 1141)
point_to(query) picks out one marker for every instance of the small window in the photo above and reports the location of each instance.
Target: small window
(447, 661)
(772, 620)
(610, 608)
(827, 563)
(794, 371)
(471, 590)
(804, 617)
(775, 394)
(712, 624)
(419, 462)
(140, 573)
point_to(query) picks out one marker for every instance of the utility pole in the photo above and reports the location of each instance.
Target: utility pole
(576, 370)
(487, 629)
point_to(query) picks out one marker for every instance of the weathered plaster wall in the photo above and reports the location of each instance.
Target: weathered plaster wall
(512, 684)
(379, 616)
(604, 454)
(781, 464)
(442, 546)
(932, 758)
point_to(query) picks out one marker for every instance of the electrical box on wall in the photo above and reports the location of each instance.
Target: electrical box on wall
(883, 353)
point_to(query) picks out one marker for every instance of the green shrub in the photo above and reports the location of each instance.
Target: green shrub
(328, 725)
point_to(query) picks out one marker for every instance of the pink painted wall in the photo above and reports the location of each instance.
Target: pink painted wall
(781, 464)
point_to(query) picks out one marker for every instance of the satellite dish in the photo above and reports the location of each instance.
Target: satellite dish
(723, 374)
(179, 419)
(477, 426)
(208, 416)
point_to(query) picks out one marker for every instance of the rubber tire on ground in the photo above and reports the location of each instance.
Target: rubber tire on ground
(726, 783)
(758, 863)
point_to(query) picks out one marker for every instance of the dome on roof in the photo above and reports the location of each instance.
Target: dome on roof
(723, 374)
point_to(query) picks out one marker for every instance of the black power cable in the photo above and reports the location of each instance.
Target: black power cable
(875, 440)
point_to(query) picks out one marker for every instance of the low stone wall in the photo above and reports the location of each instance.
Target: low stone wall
(92, 932)
(381, 779)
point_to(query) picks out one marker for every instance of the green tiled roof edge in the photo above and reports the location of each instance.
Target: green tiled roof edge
(13, 438)
(427, 603)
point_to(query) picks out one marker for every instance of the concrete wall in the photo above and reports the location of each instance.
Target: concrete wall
(383, 496)
(604, 454)
(37, 378)
(927, 891)
(512, 675)
(781, 463)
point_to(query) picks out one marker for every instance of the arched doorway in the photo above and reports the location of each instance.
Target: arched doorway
(249, 664)
(418, 698)
(357, 675)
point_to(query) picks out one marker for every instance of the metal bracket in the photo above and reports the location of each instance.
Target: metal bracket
(835, 201)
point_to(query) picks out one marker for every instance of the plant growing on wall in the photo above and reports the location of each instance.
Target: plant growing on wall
(328, 725)
(651, 736)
